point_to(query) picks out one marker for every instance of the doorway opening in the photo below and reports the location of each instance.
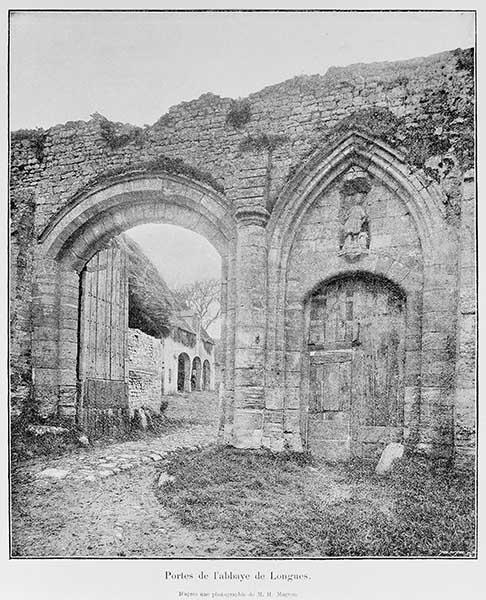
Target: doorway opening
(356, 359)
(183, 373)
(206, 376)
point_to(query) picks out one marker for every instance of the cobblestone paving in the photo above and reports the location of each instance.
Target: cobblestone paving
(99, 463)
(101, 501)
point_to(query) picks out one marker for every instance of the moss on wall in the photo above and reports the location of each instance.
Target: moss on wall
(239, 113)
(171, 166)
(22, 213)
(36, 139)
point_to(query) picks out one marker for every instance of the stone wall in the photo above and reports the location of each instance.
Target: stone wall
(214, 163)
(304, 110)
(145, 366)
(465, 416)
(20, 263)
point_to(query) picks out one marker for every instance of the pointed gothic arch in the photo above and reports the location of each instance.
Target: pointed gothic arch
(430, 299)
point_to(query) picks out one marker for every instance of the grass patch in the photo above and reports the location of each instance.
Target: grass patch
(25, 444)
(286, 505)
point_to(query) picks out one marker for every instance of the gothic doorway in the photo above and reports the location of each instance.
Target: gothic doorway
(356, 349)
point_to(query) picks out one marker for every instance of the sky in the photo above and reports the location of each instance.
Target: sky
(196, 257)
(131, 67)
(181, 256)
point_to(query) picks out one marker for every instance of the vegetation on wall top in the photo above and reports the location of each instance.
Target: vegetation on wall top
(378, 122)
(169, 165)
(465, 60)
(35, 137)
(444, 125)
(239, 113)
(117, 135)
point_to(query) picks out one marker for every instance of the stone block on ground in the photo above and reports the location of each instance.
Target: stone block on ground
(104, 474)
(390, 454)
(53, 473)
(164, 478)
(41, 430)
(143, 419)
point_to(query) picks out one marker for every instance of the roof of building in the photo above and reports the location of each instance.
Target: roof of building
(154, 309)
(152, 305)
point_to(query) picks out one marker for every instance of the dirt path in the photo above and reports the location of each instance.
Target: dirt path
(118, 516)
(102, 502)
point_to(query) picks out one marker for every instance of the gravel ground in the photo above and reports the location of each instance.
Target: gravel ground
(101, 502)
(116, 517)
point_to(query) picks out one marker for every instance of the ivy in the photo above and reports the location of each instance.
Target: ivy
(36, 139)
(22, 215)
(262, 141)
(446, 126)
(171, 166)
(378, 122)
(443, 125)
(239, 113)
(360, 185)
(118, 135)
(465, 60)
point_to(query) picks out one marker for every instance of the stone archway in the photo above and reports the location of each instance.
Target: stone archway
(196, 374)
(296, 267)
(85, 227)
(183, 373)
(206, 376)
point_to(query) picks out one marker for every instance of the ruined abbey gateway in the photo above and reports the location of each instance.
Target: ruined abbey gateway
(343, 208)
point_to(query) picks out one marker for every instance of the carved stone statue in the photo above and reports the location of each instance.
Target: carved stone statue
(353, 226)
(355, 231)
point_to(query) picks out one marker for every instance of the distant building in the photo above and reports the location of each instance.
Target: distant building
(134, 335)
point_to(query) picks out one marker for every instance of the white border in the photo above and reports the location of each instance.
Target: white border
(143, 579)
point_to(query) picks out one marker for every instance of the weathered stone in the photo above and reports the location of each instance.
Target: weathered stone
(41, 430)
(165, 478)
(54, 473)
(287, 218)
(104, 473)
(142, 418)
(389, 456)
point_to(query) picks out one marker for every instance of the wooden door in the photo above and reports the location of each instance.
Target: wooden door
(329, 403)
(103, 398)
(356, 356)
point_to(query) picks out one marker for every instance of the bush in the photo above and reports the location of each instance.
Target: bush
(239, 113)
(36, 139)
(29, 439)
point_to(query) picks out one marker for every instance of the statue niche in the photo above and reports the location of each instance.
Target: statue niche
(355, 233)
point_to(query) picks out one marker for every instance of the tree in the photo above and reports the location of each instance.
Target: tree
(203, 297)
